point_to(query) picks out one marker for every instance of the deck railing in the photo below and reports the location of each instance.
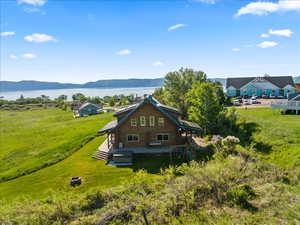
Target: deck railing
(286, 105)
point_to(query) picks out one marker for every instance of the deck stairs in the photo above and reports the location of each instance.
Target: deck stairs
(100, 155)
(103, 153)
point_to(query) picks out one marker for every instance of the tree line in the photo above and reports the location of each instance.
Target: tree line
(62, 101)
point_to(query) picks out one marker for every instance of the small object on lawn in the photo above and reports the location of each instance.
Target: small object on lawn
(75, 181)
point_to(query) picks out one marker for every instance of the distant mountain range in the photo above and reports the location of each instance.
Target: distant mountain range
(29, 85)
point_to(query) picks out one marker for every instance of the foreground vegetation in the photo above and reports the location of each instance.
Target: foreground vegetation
(233, 188)
(32, 140)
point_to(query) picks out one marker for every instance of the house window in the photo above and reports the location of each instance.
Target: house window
(161, 121)
(151, 121)
(132, 138)
(143, 121)
(162, 137)
(133, 122)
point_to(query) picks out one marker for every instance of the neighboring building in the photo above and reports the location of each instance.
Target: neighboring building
(290, 106)
(146, 127)
(87, 109)
(297, 83)
(259, 86)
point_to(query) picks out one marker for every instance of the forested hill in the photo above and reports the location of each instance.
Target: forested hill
(114, 83)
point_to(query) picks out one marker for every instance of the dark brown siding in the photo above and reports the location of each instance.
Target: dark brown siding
(147, 134)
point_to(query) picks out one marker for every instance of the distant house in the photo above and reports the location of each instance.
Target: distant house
(88, 109)
(297, 83)
(259, 86)
(145, 128)
(292, 106)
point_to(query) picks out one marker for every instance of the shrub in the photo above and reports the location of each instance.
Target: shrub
(241, 195)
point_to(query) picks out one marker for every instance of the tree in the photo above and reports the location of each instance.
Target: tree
(176, 86)
(205, 106)
(220, 93)
(112, 102)
(79, 97)
(62, 98)
(124, 100)
(159, 95)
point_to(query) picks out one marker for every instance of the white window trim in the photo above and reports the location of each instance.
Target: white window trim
(142, 121)
(133, 135)
(151, 121)
(133, 122)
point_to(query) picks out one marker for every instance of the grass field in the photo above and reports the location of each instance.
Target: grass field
(275, 137)
(31, 140)
(56, 177)
(95, 173)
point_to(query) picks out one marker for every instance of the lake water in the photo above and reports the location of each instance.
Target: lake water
(101, 92)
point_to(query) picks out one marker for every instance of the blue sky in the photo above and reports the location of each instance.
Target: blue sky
(80, 41)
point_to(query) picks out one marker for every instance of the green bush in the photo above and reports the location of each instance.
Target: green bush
(241, 195)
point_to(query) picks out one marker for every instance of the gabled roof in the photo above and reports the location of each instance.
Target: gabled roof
(184, 125)
(164, 107)
(238, 82)
(87, 104)
(279, 81)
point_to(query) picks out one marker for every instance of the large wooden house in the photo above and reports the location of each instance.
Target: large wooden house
(147, 127)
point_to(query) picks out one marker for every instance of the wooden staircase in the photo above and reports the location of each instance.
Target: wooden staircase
(103, 152)
(100, 155)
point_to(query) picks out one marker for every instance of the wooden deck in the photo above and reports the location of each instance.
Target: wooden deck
(104, 153)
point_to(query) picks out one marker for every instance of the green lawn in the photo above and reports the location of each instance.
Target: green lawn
(56, 177)
(31, 140)
(275, 137)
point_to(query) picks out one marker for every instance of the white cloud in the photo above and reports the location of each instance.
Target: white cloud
(39, 38)
(7, 33)
(236, 49)
(13, 56)
(267, 44)
(285, 33)
(28, 56)
(174, 27)
(32, 2)
(124, 52)
(265, 35)
(264, 8)
(158, 63)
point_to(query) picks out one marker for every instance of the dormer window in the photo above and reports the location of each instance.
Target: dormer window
(142, 121)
